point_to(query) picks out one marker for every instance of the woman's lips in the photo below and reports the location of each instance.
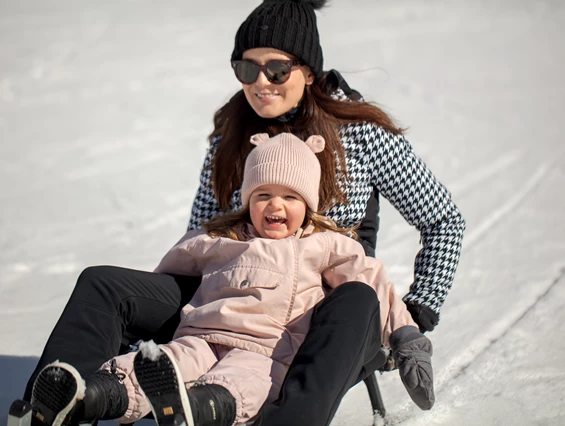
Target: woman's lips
(266, 97)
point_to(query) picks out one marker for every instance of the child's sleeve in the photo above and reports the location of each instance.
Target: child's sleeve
(183, 258)
(346, 261)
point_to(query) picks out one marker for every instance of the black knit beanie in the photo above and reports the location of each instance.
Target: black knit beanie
(287, 25)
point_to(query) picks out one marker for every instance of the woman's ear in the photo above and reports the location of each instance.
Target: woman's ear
(308, 75)
(309, 78)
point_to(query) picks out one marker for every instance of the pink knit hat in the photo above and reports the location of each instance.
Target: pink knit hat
(284, 160)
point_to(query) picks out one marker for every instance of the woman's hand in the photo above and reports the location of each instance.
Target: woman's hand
(412, 352)
(423, 316)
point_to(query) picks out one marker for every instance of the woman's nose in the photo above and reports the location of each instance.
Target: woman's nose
(262, 79)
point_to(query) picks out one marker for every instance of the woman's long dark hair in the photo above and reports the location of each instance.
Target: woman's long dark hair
(319, 114)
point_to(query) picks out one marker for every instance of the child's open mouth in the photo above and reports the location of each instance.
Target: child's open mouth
(275, 220)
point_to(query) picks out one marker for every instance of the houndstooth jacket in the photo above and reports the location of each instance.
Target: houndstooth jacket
(383, 163)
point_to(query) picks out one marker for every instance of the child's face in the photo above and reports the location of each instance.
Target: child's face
(276, 211)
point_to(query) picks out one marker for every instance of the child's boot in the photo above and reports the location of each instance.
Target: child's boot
(61, 398)
(171, 404)
(212, 405)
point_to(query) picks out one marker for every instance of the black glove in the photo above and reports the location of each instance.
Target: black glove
(412, 352)
(423, 316)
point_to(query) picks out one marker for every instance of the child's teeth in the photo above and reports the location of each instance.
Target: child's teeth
(275, 218)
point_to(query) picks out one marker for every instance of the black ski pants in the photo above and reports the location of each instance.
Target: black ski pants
(111, 307)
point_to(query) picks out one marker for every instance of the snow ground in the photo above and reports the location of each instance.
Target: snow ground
(104, 111)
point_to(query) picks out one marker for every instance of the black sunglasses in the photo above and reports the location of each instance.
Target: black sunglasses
(276, 71)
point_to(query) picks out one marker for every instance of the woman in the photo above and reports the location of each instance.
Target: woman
(278, 59)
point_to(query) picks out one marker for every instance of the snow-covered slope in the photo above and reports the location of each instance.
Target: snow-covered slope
(104, 112)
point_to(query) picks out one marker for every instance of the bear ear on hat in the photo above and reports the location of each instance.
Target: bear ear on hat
(259, 138)
(316, 143)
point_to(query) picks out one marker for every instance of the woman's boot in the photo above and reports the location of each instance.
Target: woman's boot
(171, 404)
(60, 396)
(106, 397)
(56, 391)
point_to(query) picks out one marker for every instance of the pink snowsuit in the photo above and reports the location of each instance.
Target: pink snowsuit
(252, 310)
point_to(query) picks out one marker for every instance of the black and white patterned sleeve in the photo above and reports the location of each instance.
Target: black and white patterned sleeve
(403, 179)
(205, 206)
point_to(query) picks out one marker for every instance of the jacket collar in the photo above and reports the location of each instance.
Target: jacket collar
(251, 232)
(289, 116)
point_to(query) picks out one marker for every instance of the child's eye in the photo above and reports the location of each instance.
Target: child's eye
(291, 197)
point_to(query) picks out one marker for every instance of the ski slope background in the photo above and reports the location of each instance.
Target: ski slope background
(104, 112)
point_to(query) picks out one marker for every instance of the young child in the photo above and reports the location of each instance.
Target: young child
(264, 268)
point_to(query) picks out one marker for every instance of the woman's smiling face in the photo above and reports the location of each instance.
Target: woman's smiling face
(271, 100)
(276, 211)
